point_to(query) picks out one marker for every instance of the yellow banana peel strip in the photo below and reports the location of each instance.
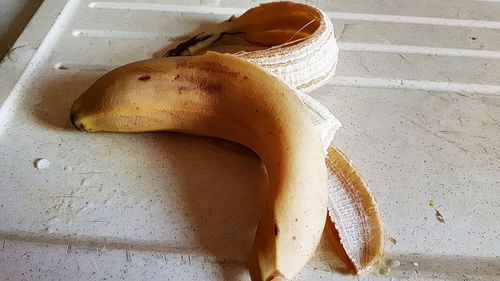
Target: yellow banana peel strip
(353, 212)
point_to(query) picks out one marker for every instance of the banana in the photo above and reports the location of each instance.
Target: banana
(226, 97)
(300, 42)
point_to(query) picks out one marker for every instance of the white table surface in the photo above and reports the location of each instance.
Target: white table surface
(417, 90)
(14, 15)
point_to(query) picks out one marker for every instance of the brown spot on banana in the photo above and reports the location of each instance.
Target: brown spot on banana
(197, 83)
(144, 77)
(209, 67)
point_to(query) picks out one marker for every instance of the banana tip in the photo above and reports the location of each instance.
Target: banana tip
(78, 126)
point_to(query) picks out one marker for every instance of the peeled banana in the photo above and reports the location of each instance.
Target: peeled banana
(300, 40)
(217, 95)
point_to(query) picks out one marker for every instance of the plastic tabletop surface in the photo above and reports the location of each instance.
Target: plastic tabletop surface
(417, 90)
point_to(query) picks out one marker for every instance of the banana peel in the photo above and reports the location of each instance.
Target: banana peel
(353, 213)
(299, 41)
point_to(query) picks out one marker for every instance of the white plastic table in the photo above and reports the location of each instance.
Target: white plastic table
(417, 90)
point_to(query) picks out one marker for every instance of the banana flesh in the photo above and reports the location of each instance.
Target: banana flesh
(216, 95)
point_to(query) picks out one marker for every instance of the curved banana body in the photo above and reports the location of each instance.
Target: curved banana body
(225, 97)
(302, 50)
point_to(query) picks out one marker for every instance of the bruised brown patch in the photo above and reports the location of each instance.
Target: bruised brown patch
(196, 83)
(211, 67)
(144, 77)
(276, 230)
(209, 87)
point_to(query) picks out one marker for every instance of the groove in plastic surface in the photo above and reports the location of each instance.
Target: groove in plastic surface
(334, 15)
